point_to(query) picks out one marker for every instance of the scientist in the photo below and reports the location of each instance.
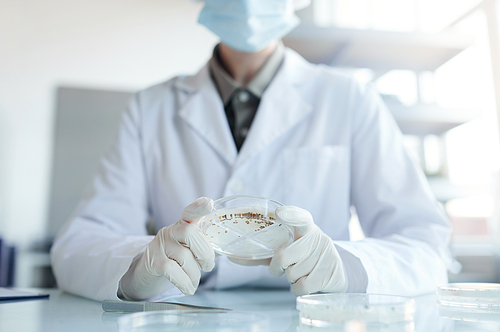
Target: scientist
(259, 120)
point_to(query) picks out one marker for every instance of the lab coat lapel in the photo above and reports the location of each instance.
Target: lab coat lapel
(280, 109)
(204, 112)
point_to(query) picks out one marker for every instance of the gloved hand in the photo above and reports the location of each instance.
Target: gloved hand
(173, 258)
(311, 263)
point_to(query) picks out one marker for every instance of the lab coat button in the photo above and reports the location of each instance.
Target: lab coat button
(244, 97)
(237, 186)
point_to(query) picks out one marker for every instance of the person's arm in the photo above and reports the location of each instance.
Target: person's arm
(405, 251)
(173, 258)
(407, 234)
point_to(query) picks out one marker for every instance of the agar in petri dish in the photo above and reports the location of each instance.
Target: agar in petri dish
(330, 310)
(470, 294)
(245, 227)
(180, 320)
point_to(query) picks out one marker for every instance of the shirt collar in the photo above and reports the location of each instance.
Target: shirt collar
(226, 84)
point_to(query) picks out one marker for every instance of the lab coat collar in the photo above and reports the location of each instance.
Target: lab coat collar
(204, 112)
(281, 108)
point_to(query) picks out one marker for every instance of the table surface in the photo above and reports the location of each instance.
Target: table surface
(273, 310)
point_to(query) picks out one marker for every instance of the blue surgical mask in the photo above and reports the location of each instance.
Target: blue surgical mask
(249, 25)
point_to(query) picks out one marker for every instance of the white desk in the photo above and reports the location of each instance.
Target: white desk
(66, 312)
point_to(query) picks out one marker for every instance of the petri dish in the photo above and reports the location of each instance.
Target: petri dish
(358, 326)
(180, 320)
(330, 310)
(479, 314)
(470, 294)
(245, 227)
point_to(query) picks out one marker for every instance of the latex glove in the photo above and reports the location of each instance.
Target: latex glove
(173, 258)
(311, 263)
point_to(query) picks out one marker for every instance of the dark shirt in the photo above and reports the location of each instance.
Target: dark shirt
(241, 102)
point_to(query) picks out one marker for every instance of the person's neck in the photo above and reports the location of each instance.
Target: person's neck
(244, 66)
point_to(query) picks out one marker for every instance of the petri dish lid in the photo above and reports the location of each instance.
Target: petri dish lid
(245, 227)
(470, 294)
(181, 320)
(323, 310)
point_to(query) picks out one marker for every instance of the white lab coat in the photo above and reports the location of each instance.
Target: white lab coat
(320, 141)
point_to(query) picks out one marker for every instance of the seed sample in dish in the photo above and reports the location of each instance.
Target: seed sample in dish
(245, 227)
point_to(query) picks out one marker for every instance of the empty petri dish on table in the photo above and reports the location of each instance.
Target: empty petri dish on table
(470, 294)
(470, 301)
(179, 320)
(374, 310)
(245, 227)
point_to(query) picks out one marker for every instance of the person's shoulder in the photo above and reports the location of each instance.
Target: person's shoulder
(319, 71)
(179, 83)
(159, 89)
(154, 100)
(333, 75)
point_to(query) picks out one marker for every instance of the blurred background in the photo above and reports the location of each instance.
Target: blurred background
(68, 69)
